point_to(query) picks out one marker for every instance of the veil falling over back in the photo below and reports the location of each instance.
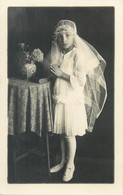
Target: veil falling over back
(95, 90)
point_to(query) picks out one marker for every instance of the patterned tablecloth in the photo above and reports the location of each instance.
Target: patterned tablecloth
(29, 107)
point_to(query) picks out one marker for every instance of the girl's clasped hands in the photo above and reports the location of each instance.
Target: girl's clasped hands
(56, 70)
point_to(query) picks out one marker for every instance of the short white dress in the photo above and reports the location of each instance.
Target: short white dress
(69, 109)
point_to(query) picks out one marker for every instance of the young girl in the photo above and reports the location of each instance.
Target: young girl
(79, 91)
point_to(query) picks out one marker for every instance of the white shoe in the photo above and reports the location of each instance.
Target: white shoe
(57, 168)
(68, 175)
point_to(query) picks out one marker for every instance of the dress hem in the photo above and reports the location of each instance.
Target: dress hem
(68, 134)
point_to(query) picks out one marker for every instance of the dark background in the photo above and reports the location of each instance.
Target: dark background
(34, 26)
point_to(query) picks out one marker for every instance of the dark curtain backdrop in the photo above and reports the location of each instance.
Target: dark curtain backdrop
(35, 25)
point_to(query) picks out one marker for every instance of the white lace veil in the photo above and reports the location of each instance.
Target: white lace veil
(95, 91)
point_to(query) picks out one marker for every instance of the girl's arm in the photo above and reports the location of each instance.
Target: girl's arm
(78, 78)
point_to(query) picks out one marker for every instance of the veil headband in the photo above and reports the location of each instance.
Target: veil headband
(95, 90)
(66, 25)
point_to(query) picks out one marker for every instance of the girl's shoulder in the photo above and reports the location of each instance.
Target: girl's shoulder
(76, 53)
(75, 50)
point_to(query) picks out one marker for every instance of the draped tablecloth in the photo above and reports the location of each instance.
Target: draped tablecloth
(29, 107)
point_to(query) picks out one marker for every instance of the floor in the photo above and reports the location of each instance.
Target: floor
(33, 170)
(88, 168)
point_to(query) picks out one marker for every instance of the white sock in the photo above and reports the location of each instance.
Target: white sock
(62, 144)
(71, 149)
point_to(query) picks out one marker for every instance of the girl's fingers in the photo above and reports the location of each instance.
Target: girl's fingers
(52, 67)
(53, 71)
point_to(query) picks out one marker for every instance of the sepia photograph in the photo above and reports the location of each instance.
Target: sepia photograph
(60, 95)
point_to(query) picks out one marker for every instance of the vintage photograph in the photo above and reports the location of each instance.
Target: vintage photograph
(60, 95)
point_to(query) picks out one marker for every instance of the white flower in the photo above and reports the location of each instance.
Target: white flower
(37, 55)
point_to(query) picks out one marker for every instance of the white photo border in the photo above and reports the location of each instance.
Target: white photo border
(60, 189)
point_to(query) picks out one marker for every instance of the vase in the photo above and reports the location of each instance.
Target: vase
(28, 71)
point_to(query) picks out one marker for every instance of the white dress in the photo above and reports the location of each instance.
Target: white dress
(69, 109)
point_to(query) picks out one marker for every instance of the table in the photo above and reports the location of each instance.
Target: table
(29, 110)
(29, 107)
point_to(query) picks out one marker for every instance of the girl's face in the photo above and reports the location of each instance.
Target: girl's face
(65, 40)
